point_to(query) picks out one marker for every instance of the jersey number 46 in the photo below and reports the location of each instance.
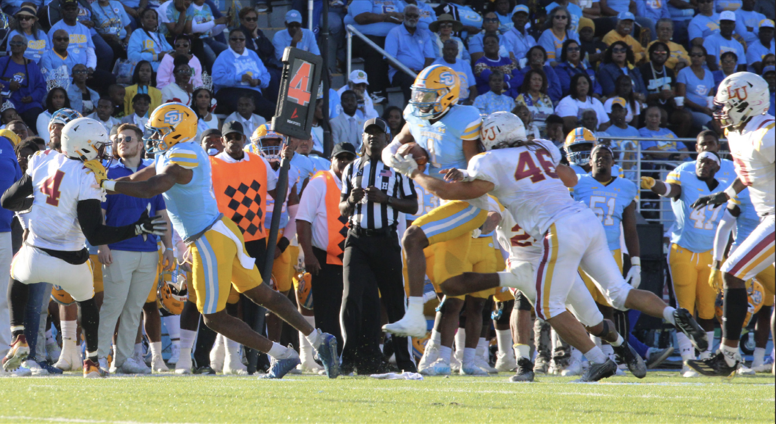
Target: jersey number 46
(526, 167)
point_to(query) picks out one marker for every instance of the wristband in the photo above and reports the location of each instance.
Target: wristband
(635, 261)
(109, 185)
(283, 244)
(731, 192)
(169, 249)
(666, 186)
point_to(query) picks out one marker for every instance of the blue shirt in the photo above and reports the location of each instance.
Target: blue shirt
(52, 62)
(504, 22)
(697, 89)
(746, 20)
(35, 47)
(112, 19)
(722, 5)
(616, 131)
(653, 9)
(575, 12)
(553, 45)
(608, 201)
(681, 14)
(229, 69)
(147, 46)
(9, 174)
(464, 72)
(80, 37)
(31, 80)
(77, 101)
(748, 220)
(491, 102)
(484, 67)
(619, 5)
(755, 52)
(427, 14)
(716, 45)
(667, 145)
(566, 71)
(200, 15)
(121, 209)
(475, 44)
(379, 29)
(519, 43)
(282, 39)
(409, 49)
(703, 26)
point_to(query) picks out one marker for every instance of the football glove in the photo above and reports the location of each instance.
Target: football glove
(404, 165)
(647, 183)
(155, 225)
(95, 167)
(715, 199)
(634, 276)
(715, 279)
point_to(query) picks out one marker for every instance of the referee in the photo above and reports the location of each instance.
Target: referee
(372, 197)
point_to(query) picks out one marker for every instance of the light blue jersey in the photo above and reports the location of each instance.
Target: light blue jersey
(616, 171)
(748, 220)
(608, 201)
(444, 139)
(694, 229)
(192, 207)
(426, 202)
(726, 174)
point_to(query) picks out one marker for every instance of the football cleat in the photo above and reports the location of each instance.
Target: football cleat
(766, 366)
(70, 359)
(327, 354)
(16, 354)
(687, 324)
(157, 364)
(632, 359)
(438, 367)
(430, 355)
(280, 367)
(34, 367)
(409, 326)
(472, 369)
(21, 372)
(175, 353)
(714, 366)
(183, 366)
(53, 351)
(655, 357)
(49, 368)
(574, 368)
(484, 365)
(525, 371)
(308, 364)
(204, 370)
(133, 366)
(598, 371)
(233, 365)
(93, 370)
(744, 370)
(506, 362)
(542, 365)
(688, 372)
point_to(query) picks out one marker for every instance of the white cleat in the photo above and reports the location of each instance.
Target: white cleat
(439, 367)
(218, 354)
(70, 358)
(472, 369)
(233, 365)
(574, 368)
(34, 368)
(481, 363)
(744, 370)
(184, 362)
(688, 372)
(764, 367)
(133, 366)
(157, 364)
(505, 362)
(430, 355)
(20, 372)
(309, 365)
(409, 326)
(175, 353)
(53, 351)
(455, 361)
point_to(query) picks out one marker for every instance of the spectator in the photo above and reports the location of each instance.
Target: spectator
(358, 81)
(557, 32)
(394, 118)
(490, 62)
(294, 36)
(59, 61)
(245, 116)
(748, 21)
(705, 23)
(19, 128)
(618, 115)
(117, 95)
(525, 115)
(696, 84)
(728, 62)
(490, 25)
(142, 81)
(427, 14)
(55, 99)
(758, 49)
(619, 60)
(374, 19)
(554, 130)
(661, 89)
(146, 43)
(580, 98)
(722, 41)
(682, 12)
(678, 57)
(504, 14)
(23, 79)
(211, 142)
(164, 73)
(571, 63)
(258, 42)
(82, 98)
(769, 74)
(175, 21)
(239, 71)
(472, 20)
(624, 89)
(660, 149)
(442, 30)
(347, 127)
(494, 100)
(622, 33)
(27, 26)
(316, 131)
(140, 105)
(204, 28)
(180, 90)
(8, 114)
(80, 35)
(613, 9)
(113, 25)
(574, 10)
(203, 107)
(466, 92)
(411, 47)
(517, 37)
(533, 95)
(102, 114)
(537, 59)
(654, 11)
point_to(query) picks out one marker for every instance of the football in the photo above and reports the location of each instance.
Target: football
(418, 153)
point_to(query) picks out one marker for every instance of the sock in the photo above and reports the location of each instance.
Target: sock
(523, 350)
(184, 356)
(139, 349)
(596, 355)
(618, 342)
(173, 325)
(686, 349)
(187, 339)
(608, 350)
(710, 337)
(17, 330)
(156, 349)
(482, 343)
(504, 339)
(92, 356)
(596, 340)
(305, 348)
(468, 355)
(415, 306)
(460, 340)
(69, 329)
(730, 354)
(759, 356)
(436, 337)
(576, 354)
(232, 347)
(445, 352)
(668, 315)
(315, 338)
(734, 310)
(279, 351)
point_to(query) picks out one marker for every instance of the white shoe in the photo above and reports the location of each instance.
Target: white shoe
(233, 365)
(505, 362)
(439, 367)
(218, 353)
(766, 366)
(70, 358)
(688, 372)
(744, 370)
(409, 326)
(430, 355)
(479, 362)
(455, 361)
(472, 369)
(53, 351)
(184, 362)
(34, 367)
(308, 364)
(157, 364)
(133, 366)
(21, 372)
(574, 368)
(175, 353)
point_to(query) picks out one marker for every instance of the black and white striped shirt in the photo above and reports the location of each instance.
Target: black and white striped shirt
(365, 173)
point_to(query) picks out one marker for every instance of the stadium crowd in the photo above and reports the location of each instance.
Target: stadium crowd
(576, 72)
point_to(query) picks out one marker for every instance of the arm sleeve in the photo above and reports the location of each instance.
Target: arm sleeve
(90, 219)
(15, 197)
(389, 151)
(313, 44)
(223, 72)
(392, 43)
(726, 225)
(475, 45)
(606, 79)
(203, 27)
(694, 30)
(546, 41)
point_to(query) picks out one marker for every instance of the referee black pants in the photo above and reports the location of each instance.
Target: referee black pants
(327, 297)
(371, 263)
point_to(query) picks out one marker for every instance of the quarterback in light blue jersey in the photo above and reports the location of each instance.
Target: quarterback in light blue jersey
(216, 249)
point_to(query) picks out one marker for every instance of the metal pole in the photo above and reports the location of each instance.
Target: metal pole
(638, 167)
(350, 50)
(325, 78)
(310, 5)
(396, 64)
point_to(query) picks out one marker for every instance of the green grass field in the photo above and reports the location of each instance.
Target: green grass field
(661, 397)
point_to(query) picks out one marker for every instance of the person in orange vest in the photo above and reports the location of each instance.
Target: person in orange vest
(322, 230)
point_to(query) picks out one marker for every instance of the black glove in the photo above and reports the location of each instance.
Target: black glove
(155, 225)
(715, 199)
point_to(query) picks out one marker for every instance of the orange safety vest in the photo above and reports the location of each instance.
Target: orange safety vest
(241, 191)
(337, 224)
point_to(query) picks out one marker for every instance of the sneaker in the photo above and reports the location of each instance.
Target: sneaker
(33, 366)
(525, 371)
(49, 368)
(21, 372)
(327, 354)
(184, 363)
(439, 367)
(175, 353)
(280, 367)
(632, 359)
(16, 354)
(93, 370)
(52, 350)
(430, 355)
(655, 357)
(157, 364)
(714, 366)
(506, 362)
(542, 365)
(70, 358)
(133, 366)
(687, 325)
(744, 370)
(688, 372)
(233, 365)
(218, 353)
(574, 368)
(484, 365)
(203, 370)
(308, 364)
(411, 325)
(455, 363)
(765, 366)
(472, 369)
(598, 371)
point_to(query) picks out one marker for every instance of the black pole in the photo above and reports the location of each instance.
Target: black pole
(324, 41)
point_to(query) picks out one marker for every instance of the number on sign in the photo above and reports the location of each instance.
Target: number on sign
(521, 238)
(526, 167)
(51, 188)
(298, 89)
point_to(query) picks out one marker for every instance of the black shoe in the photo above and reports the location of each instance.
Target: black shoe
(631, 359)
(525, 371)
(204, 370)
(598, 372)
(714, 366)
(686, 323)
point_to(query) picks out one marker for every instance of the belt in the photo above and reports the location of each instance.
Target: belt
(382, 232)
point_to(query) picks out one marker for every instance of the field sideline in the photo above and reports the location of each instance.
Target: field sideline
(661, 397)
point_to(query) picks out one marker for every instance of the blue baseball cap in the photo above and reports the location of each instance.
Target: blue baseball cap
(521, 8)
(293, 16)
(626, 16)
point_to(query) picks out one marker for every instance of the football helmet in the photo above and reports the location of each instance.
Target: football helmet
(64, 115)
(60, 296)
(579, 143)
(84, 139)
(263, 132)
(500, 129)
(172, 291)
(740, 97)
(11, 136)
(419, 346)
(435, 91)
(170, 124)
(305, 295)
(755, 294)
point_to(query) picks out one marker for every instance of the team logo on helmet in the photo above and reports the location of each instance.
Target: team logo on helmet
(447, 78)
(173, 117)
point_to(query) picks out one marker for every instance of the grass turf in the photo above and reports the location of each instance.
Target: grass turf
(661, 397)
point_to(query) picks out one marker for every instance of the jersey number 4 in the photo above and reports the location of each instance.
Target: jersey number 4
(51, 188)
(526, 167)
(698, 217)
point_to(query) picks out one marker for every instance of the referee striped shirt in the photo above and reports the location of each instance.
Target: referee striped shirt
(364, 173)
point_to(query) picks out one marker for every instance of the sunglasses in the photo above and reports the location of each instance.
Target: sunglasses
(411, 15)
(620, 50)
(445, 25)
(80, 71)
(183, 71)
(237, 40)
(126, 139)
(253, 19)
(561, 17)
(182, 45)
(573, 49)
(25, 18)
(61, 38)
(17, 44)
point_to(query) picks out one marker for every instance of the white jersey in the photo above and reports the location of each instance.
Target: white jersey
(58, 184)
(753, 155)
(526, 184)
(520, 245)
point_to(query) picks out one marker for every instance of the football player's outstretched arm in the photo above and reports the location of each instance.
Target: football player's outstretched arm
(721, 197)
(452, 191)
(567, 175)
(90, 219)
(157, 184)
(141, 175)
(661, 188)
(403, 137)
(16, 197)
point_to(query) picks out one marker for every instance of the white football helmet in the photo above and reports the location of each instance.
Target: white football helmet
(501, 129)
(84, 139)
(741, 96)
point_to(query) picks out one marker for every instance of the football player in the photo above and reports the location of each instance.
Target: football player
(450, 134)
(66, 212)
(742, 104)
(579, 146)
(215, 244)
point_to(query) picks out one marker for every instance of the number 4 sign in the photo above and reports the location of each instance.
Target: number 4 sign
(298, 93)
